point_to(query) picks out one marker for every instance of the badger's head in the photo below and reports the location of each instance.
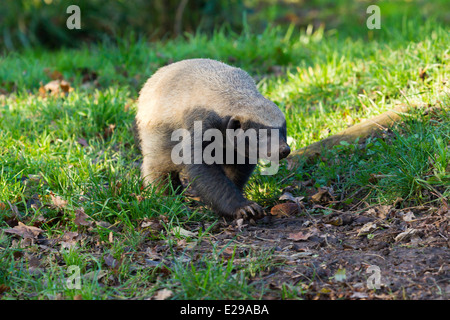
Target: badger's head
(259, 132)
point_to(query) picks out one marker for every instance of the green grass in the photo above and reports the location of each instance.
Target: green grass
(326, 83)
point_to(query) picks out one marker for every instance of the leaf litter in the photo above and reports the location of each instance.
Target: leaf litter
(326, 252)
(332, 255)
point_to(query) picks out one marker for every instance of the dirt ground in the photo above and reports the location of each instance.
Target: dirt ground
(375, 253)
(303, 248)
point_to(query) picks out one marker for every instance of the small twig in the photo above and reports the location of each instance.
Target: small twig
(287, 177)
(322, 207)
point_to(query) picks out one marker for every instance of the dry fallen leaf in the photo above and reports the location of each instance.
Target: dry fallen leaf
(55, 88)
(69, 239)
(323, 195)
(340, 219)
(240, 223)
(380, 211)
(383, 211)
(359, 295)
(163, 294)
(26, 232)
(300, 236)
(284, 210)
(406, 235)
(57, 201)
(153, 225)
(80, 218)
(367, 228)
(408, 216)
(289, 197)
(182, 232)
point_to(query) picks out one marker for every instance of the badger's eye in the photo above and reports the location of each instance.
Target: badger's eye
(234, 124)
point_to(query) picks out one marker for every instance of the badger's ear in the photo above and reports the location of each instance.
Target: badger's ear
(234, 123)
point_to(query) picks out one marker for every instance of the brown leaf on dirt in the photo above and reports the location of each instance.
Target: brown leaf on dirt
(289, 197)
(285, 210)
(367, 228)
(153, 225)
(80, 218)
(406, 235)
(104, 224)
(338, 219)
(69, 239)
(26, 232)
(323, 195)
(407, 216)
(380, 211)
(301, 236)
(69, 236)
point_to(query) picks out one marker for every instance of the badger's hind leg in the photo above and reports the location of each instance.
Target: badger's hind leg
(162, 180)
(157, 168)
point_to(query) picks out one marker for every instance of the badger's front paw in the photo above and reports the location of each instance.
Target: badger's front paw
(250, 211)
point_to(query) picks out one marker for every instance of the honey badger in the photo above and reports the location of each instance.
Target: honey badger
(222, 97)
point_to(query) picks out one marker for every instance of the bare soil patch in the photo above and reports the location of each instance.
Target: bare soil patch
(378, 253)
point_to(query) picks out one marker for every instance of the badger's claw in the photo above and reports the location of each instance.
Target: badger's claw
(250, 211)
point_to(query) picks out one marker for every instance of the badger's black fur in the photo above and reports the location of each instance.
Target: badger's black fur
(221, 97)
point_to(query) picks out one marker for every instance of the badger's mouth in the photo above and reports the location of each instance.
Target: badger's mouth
(276, 152)
(265, 144)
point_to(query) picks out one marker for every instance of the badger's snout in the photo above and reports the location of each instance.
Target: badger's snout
(284, 150)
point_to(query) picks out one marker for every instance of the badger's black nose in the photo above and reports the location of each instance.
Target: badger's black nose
(284, 151)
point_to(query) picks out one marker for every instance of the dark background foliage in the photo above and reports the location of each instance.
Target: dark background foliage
(25, 23)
